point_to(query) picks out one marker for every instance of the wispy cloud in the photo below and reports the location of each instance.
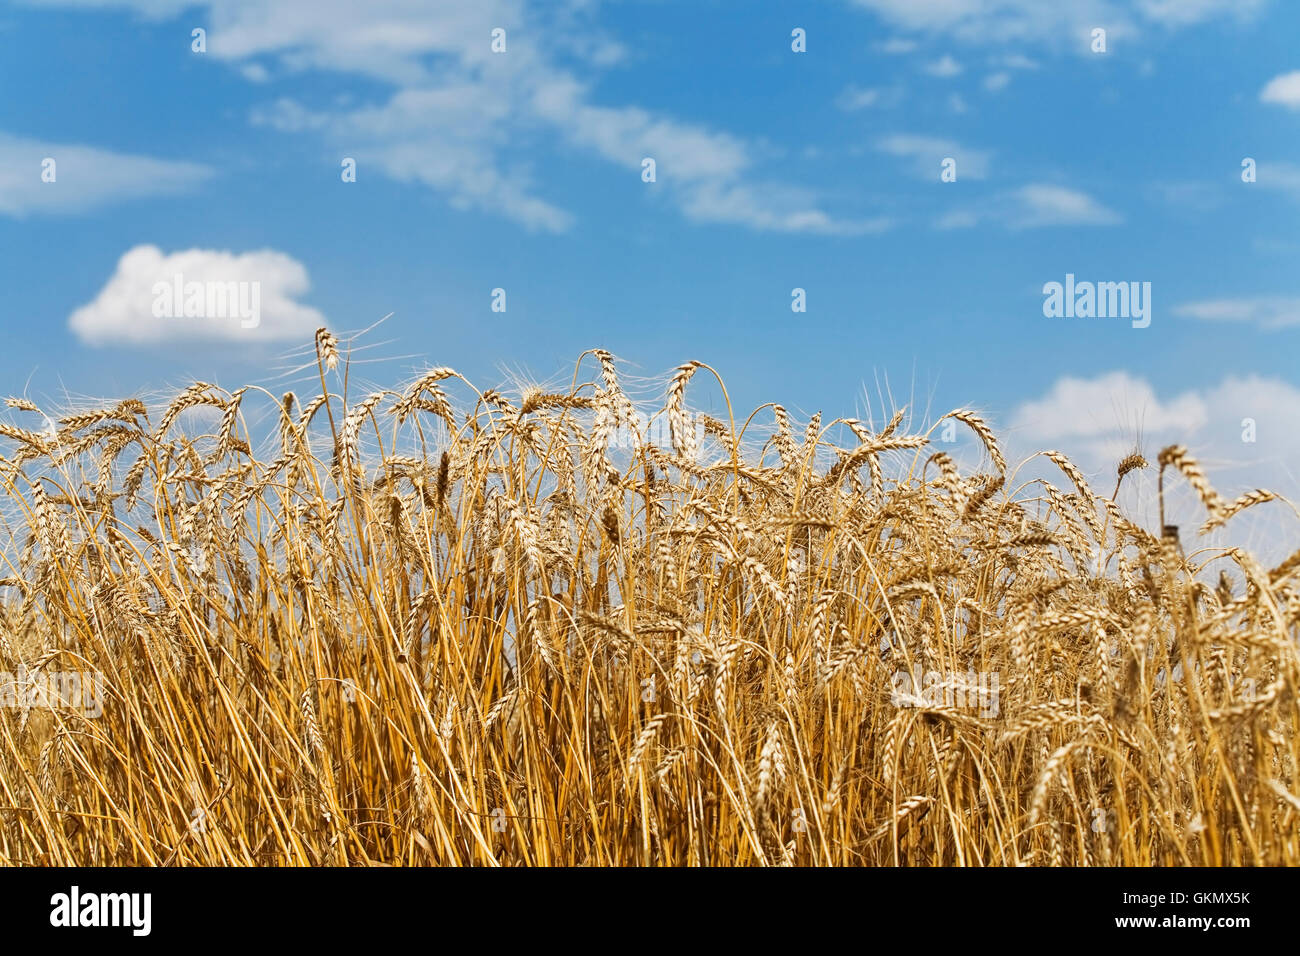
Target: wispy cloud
(467, 121)
(1178, 13)
(985, 21)
(853, 98)
(928, 152)
(1033, 206)
(1268, 312)
(1043, 204)
(1016, 61)
(1279, 176)
(1187, 197)
(945, 67)
(85, 177)
(1003, 66)
(444, 138)
(1050, 24)
(897, 46)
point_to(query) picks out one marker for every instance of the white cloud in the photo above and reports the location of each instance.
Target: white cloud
(1097, 421)
(957, 219)
(1272, 246)
(445, 138)
(771, 207)
(1086, 410)
(288, 116)
(149, 9)
(996, 82)
(1269, 312)
(984, 21)
(624, 135)
(853, 98)
(124, 311)
(1188, 196)
(1017, 61)
(1043, 204)
(448, 138)
(1283, 90)
(1034, 206)
(1284, 176)
(1176, 13)
(944, 67)
(928, 152)
(706, 171)
(1050, 23)
(896, 46)
(470, 123)
(85, 177)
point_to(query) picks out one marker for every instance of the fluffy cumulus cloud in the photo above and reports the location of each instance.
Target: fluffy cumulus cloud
(83, 177)
(1283, 90)
(1241, 429)
(198, 295)
(1096, 413)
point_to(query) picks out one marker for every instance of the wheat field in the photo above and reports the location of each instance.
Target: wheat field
(438, 625)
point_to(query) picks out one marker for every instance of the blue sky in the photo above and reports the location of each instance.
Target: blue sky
(775, 170)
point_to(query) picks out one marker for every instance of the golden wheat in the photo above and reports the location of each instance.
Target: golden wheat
(511, 629)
